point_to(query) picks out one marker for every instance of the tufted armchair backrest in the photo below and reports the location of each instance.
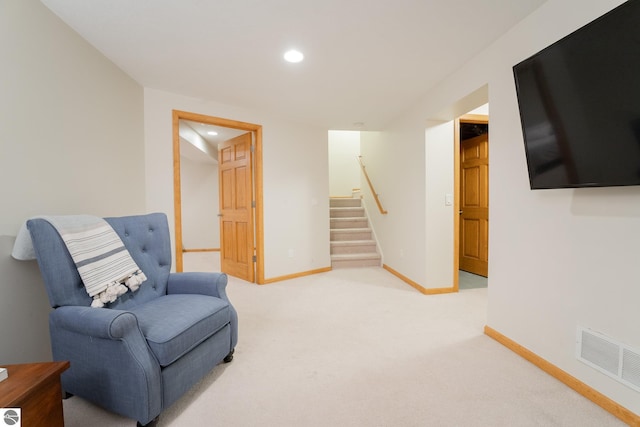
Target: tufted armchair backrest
(146, 237)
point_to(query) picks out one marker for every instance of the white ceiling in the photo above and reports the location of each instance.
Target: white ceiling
(224, 133)
(366, 61)
(196, 154)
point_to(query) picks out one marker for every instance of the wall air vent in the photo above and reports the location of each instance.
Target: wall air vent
(610, 357)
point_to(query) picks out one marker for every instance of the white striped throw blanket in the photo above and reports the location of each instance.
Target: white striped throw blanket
(104, 264)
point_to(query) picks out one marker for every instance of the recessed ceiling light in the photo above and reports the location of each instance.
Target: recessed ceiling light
(293, 56)
(212, 133)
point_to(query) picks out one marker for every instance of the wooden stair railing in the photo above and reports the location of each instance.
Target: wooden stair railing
(373, 191)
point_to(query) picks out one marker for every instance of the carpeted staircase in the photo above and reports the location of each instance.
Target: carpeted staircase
(352, 243)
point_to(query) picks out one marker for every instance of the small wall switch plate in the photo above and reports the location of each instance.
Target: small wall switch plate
(448, 199)
(3, 374)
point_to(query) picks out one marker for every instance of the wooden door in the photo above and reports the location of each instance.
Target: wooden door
(236, 211)
(474, 205)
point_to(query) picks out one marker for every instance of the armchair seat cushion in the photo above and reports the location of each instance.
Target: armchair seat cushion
(175, 324)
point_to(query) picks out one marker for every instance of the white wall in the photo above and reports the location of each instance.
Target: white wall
(344, 170)
(191, 136)
(483, 109)
(558, 258)
(438, 263)
(395, 163)
(71, 142)
(296, 185)
(200, 204)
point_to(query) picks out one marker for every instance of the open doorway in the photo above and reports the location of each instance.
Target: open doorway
(472, 201)
(210, 211)
(199, 193)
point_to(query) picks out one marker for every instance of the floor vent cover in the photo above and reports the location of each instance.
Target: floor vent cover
(610, 357)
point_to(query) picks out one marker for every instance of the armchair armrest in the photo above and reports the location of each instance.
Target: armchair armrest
(109, 357)
(95, 322)
(211, 284)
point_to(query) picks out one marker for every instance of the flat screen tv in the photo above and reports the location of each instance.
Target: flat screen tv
(579, 102)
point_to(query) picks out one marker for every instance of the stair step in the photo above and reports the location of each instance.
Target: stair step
(342, 234)
(349, 222)
(355, 260)
(352, 243)
(353, 247)
(344, 202)
(346, 212)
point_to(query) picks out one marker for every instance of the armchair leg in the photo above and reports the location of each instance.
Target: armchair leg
(229, 356)
(151, 423)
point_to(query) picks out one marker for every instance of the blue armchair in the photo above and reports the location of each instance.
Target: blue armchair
(149, 347)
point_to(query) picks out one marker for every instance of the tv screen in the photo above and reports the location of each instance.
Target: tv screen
(579, 102)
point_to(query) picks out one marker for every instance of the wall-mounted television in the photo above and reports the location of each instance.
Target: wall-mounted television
(579, 102)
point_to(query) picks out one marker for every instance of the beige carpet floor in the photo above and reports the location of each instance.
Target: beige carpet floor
(358, 347)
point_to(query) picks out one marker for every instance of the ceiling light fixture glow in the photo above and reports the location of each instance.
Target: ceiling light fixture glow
(293, 56)
(212, 133)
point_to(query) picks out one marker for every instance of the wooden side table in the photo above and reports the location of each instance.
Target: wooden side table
(35, 387)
